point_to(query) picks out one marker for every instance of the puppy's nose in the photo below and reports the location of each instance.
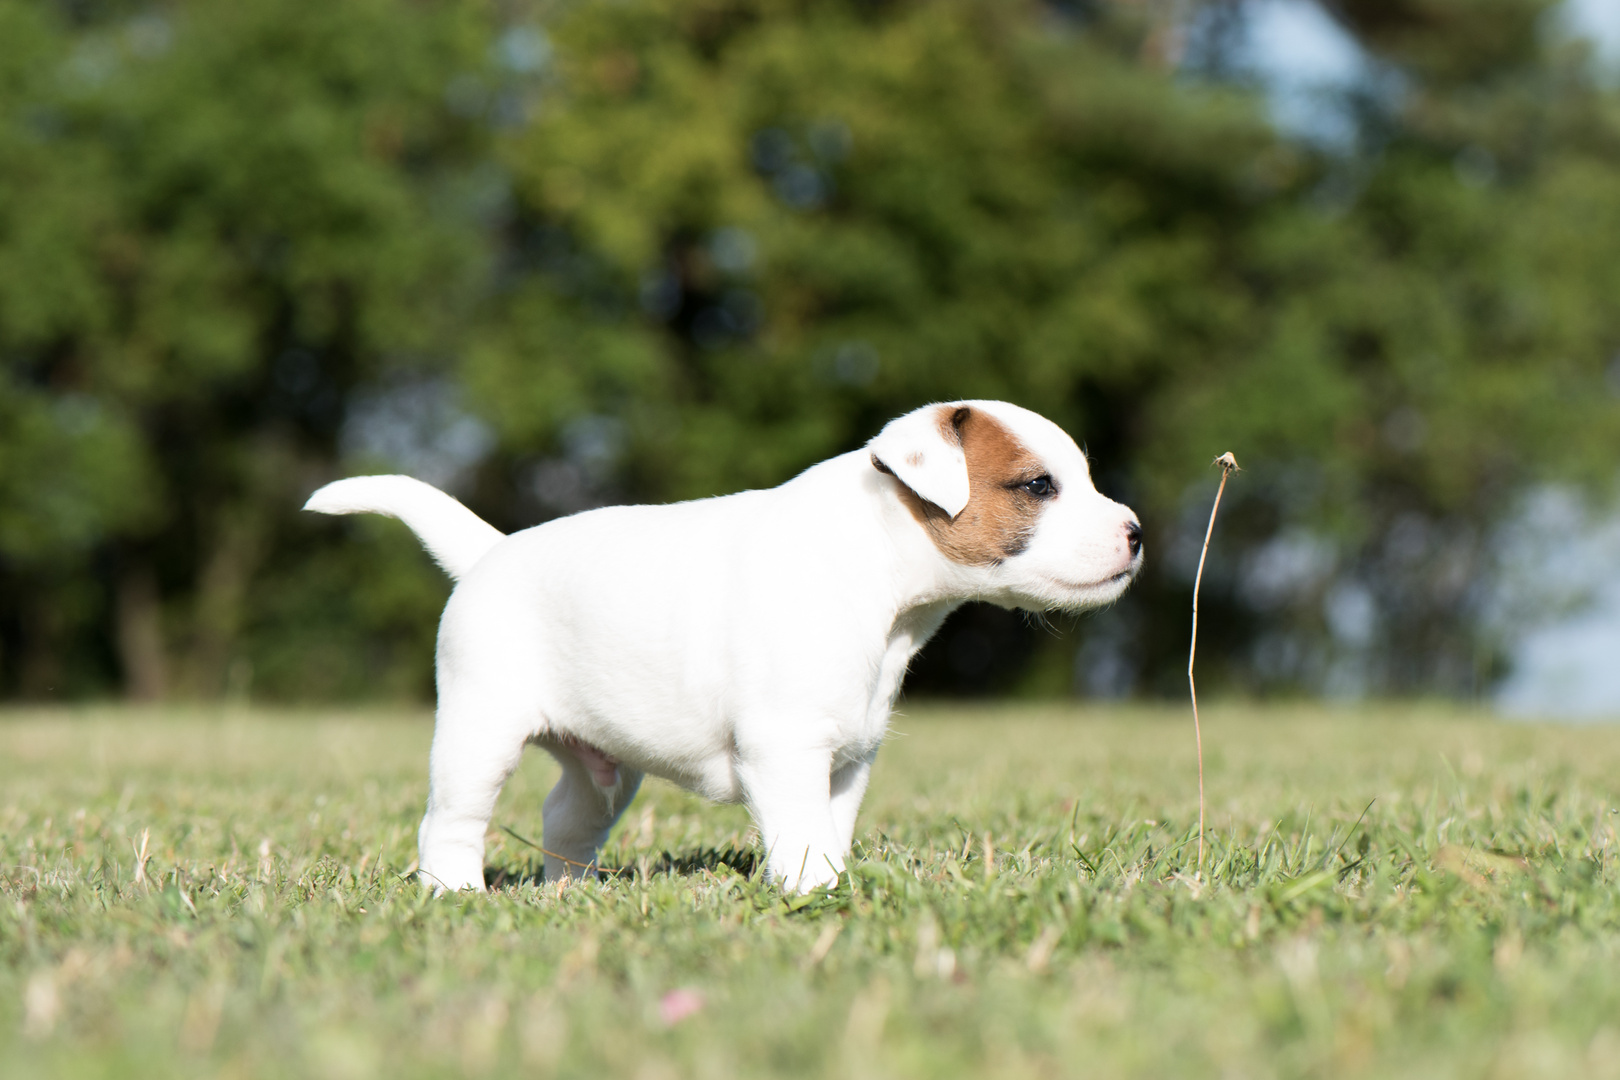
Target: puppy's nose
(1133, 537)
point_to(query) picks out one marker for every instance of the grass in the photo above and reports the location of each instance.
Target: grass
(1021, 905)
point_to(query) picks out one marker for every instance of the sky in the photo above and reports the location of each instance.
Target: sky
(1600, 21)
(1302, 56)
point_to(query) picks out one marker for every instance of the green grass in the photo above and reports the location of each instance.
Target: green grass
(1021, 905)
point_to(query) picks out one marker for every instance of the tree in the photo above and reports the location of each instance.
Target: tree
(1437, 343)
(661, 249)
(758, 229)
(217, 221)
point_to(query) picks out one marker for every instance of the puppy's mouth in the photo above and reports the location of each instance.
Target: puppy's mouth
(1081, 595)
(1124, 577)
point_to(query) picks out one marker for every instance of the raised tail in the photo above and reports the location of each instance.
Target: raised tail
(455, 536)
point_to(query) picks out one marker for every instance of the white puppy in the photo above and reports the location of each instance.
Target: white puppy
(747, 647)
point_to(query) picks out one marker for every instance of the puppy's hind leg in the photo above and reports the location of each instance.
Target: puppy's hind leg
(476, 745)
(579, 813)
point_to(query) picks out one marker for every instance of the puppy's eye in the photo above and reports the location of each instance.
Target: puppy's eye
(1040, 487)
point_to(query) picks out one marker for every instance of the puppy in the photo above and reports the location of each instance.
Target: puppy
(747, 647)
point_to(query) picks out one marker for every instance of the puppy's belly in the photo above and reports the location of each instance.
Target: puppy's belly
(603, 767)
(714, 779)
(690, 735)
(713, 776)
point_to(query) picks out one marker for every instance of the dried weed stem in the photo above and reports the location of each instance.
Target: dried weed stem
(1228, 465)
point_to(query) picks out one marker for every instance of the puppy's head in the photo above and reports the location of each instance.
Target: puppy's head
(1007, 492)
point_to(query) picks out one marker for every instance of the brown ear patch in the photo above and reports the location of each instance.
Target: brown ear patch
(997, 522)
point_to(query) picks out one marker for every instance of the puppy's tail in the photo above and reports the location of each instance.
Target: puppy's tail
(455, 536)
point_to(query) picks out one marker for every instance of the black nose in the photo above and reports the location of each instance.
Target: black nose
(1133, 537)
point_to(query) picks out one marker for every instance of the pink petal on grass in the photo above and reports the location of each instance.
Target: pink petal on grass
(678, 1004)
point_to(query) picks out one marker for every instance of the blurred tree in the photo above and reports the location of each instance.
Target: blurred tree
(751, 231)
(754, 231)
(761, 229)
(1437, 341)
(666, 248)
(215, 221)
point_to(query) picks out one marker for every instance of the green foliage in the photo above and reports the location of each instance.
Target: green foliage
(1008, 913)
(1450, 40)
(830, 216)
(827, 217)
(215, 220)
(665, 249)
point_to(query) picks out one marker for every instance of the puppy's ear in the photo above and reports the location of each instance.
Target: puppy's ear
(923, 450)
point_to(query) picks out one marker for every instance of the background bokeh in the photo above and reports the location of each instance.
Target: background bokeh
(554, 255)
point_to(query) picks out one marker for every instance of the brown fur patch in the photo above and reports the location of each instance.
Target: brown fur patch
(998, 519)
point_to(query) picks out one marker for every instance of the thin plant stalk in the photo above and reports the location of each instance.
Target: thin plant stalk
(1228, 465)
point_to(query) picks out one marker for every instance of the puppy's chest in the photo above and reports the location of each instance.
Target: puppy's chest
(864, 728)
(857, 742)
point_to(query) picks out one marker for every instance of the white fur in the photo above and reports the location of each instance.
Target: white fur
(747, 647)
(914, 448)
(455, 536)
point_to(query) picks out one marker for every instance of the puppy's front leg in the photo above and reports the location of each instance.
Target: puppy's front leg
(790, 798)
(848, 789)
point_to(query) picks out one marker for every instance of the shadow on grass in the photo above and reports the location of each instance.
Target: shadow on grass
(743, 861)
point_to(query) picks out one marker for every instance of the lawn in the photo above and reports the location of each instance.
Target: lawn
(1023, 903)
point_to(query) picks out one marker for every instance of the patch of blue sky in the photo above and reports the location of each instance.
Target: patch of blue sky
(1569, 670)
(1309, 64)
(1556, 606)
(1599, 22)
